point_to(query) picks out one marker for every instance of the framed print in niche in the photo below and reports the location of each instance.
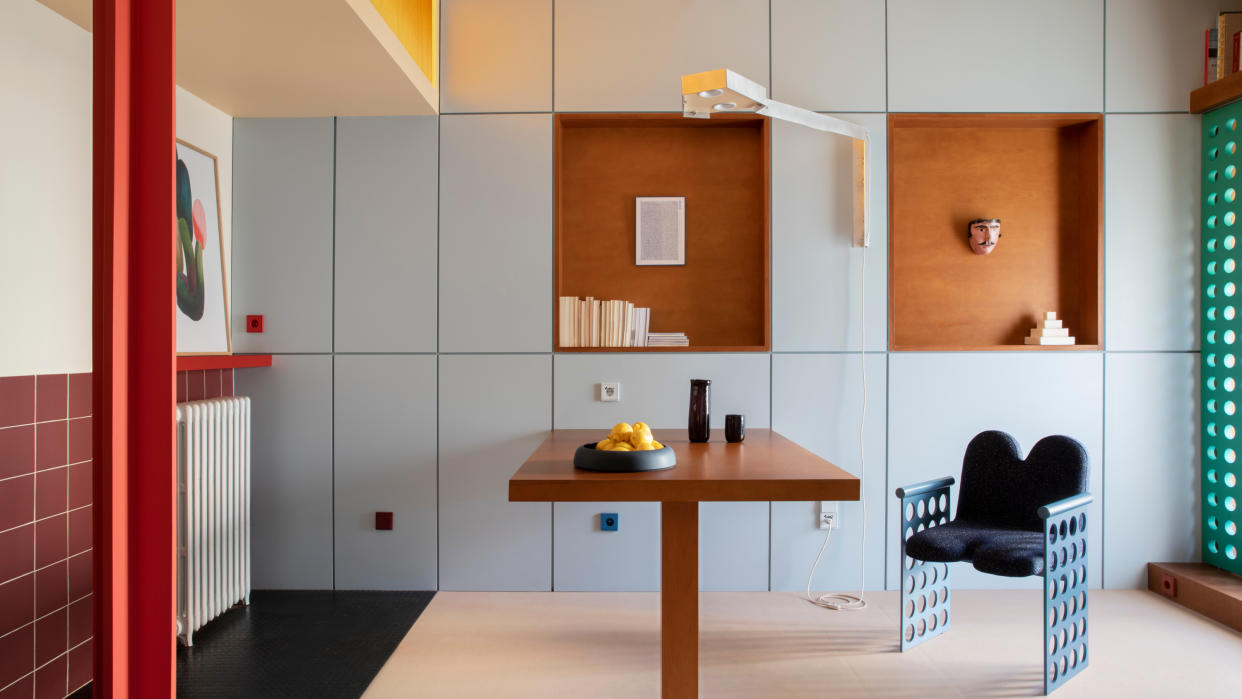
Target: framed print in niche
(659, 230)
(202, 298)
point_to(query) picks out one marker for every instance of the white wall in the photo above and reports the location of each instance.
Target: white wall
(45, 191)
(1133, 404)
(45, 187)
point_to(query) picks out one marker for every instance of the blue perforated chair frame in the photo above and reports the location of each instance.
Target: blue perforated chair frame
(924, 584)
(1065, 591)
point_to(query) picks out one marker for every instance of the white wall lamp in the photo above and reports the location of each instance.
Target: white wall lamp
(723, 91)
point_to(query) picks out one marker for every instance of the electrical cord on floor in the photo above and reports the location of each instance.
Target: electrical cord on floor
(842, 601)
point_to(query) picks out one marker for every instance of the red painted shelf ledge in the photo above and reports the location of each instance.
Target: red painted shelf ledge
(197, 362)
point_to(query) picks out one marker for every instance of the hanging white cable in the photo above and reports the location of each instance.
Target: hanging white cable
(842, 601)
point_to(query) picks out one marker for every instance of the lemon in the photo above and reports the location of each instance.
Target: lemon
(656, 445)
(622, 446)
(604, 444)
(621, 432)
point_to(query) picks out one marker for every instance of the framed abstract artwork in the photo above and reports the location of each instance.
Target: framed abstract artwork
(202, 298)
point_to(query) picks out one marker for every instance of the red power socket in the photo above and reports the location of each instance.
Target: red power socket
(1168, 585)
(254, 324)
(383, 521)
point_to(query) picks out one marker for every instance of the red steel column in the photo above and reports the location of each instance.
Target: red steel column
(134, 348)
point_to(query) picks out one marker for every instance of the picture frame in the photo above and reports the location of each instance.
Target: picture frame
(659, 231)
(201, 285)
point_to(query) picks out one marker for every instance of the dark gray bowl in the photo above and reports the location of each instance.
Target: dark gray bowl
(591, 459)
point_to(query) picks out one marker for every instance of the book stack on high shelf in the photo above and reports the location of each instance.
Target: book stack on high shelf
(1222, 45)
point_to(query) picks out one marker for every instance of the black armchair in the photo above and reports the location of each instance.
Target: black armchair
(1015, 518)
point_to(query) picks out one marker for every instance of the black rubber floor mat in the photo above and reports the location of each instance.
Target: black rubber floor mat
(298, 644)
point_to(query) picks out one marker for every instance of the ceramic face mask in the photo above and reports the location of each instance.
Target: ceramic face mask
(983, 234)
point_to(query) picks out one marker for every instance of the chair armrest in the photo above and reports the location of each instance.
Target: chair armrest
(925, 486)
(1061, 507)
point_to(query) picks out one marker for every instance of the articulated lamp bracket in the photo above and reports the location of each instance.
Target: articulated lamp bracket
(723, 91)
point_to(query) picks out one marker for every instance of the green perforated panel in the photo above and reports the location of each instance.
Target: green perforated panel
(1221, 328)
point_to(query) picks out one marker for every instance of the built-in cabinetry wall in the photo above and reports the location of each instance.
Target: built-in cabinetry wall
(404, 266)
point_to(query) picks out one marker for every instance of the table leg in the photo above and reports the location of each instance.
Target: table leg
(679, 599)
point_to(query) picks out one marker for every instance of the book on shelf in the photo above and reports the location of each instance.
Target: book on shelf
(1227, 25)
(1209, 55)
(667, 340)
(593, 322)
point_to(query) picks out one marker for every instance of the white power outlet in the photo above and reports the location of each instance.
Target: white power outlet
(828, 515)
(610, 392)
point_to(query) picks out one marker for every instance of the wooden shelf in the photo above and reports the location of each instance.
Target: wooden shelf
(1216, 94)
(1041, 174)
(995, 348)
(198, 362)
(720, 298)
(1206, 589)
(692, 348)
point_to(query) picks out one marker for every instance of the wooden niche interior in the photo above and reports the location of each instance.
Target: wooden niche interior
(720, 297)
(1041, 175)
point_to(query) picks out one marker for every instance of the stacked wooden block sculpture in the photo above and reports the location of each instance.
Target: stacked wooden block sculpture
(1050, 332)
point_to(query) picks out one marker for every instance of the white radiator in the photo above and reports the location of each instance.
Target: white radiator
(213, 510)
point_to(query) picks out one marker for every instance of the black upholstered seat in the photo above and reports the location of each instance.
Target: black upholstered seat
(998, 527)
(1011, 552)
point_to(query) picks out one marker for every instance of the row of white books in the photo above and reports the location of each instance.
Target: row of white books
(593, 322)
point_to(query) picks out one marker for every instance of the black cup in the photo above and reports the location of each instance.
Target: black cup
(735, 428)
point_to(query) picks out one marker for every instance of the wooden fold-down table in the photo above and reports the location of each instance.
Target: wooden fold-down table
(766, 466)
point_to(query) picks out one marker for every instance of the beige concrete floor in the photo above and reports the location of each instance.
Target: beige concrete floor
(770, 644)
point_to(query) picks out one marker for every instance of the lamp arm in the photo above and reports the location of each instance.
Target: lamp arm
(814, 120)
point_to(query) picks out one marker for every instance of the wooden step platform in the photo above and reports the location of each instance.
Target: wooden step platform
(1206, 589)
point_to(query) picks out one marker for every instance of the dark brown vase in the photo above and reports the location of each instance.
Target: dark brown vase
(700, 409)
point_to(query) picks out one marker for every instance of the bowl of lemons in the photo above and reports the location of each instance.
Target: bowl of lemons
(627, 448)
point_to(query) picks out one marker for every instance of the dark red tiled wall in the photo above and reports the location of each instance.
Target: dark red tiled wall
(45, 527)
(45, 535)
(203, 384)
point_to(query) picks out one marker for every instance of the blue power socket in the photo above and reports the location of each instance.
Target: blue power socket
(608, 521)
